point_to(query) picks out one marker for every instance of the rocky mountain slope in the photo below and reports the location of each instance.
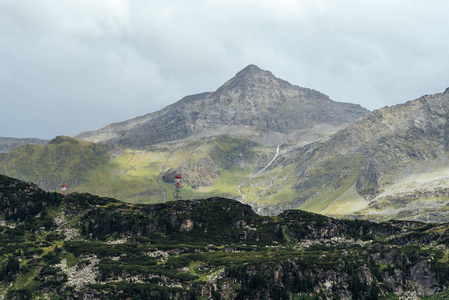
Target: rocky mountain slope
(253, 104)
(7, 143)
(84, 247)
(391, 163)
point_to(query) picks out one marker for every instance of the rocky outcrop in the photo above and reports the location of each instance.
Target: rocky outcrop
(85, 272)
(367, 184)
(423, 279)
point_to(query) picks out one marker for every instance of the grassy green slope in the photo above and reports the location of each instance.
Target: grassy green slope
(307, 178)
(209, 167)
(219, 166)
(62, 160)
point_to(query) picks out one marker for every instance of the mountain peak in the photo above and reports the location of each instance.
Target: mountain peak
(254, 100)
(62, 139)
(253, 71)
(253, 77)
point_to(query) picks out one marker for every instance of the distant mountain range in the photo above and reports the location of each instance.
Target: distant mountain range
(262, 141)
(8, 143)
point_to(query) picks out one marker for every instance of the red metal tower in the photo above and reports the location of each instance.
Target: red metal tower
(177, 192)
(64, 188)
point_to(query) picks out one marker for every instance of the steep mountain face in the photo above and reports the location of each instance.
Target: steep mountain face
(87, 247)
(391, 162)
(7, 143)
(254, 104)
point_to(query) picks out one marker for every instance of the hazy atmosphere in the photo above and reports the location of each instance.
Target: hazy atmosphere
(71, 66)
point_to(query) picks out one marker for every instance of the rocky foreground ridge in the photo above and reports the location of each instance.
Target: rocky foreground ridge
(87, 247)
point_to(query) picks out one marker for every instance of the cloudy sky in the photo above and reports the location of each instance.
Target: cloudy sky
(68, 66)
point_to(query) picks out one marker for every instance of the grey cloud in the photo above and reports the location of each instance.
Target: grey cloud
(69, 66)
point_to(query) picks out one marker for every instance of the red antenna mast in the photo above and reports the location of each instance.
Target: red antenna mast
(64, 188)
(177, 192)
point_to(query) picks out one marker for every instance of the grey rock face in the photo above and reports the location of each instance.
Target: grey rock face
(367, 184)
(423, 278)
(253, 103)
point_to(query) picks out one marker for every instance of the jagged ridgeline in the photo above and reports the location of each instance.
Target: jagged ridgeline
(84, 246)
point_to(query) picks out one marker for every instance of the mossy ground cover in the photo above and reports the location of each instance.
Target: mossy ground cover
(188, 265)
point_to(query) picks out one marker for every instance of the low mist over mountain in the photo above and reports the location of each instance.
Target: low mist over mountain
(253, 104)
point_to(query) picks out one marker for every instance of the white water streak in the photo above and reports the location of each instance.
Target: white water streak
(260, 171)
(270, 185)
